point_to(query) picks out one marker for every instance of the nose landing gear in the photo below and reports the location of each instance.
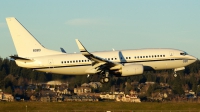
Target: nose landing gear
(175, 74)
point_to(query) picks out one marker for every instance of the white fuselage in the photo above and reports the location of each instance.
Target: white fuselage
(77, 64)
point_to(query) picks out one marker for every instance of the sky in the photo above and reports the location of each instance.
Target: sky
(103, 25)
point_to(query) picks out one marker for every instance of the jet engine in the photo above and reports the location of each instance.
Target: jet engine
(133, 69)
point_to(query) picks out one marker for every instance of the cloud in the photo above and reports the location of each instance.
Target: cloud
(85, 22)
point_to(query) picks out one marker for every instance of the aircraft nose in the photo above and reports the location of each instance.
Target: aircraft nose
(193, 58)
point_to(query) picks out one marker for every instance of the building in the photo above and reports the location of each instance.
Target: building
(133, 97)
(6, 97)
(110, 95)
(80, 98)
(95, 85)
(128, 98)
(82, 90)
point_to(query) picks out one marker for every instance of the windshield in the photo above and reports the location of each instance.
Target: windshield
(183, 53)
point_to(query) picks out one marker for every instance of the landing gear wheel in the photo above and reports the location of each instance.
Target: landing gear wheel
(102, 80)
(106, 79)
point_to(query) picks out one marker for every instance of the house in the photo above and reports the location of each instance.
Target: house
(6, 97)
(85, 85)
(46, 95)
(63, 91)
(82, 90)
(133, 97)
(92, 84)
(80, 98)
(128, 98)
(110, 95)
(151, 83)
(95, 85)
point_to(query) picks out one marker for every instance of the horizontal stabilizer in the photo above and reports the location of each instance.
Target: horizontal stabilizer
(20, 58)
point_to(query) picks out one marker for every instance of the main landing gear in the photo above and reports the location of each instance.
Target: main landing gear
(105, 78)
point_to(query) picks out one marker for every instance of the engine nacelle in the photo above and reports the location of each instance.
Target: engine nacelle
(133, 69)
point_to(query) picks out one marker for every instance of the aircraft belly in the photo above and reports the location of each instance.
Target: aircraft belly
(160, 65)
(174, 64)
(66, 70)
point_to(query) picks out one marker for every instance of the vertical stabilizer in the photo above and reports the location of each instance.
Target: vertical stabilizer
(26, 45)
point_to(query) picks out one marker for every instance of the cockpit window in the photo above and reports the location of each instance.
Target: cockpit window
(183, 53)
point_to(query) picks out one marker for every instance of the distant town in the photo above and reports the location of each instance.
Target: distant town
(19, 84)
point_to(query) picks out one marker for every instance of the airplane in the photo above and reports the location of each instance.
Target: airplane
(32, 55)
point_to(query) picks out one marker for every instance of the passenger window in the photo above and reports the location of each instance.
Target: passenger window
(61, 61)
(70, 61)
(115, 58)
(157, 55)
(143, 56)
(163, 55)
(140, 56)
(111, 58)
(146, 56)
(160, 55)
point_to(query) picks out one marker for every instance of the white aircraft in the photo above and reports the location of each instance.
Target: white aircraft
(31, 54)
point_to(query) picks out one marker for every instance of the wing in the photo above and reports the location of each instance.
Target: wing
(97, 61)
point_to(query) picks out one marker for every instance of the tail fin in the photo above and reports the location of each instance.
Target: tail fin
(25, 43)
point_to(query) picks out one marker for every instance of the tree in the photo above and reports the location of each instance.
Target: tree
(150, 90)
(177, 86)
(128, 87)
(9, 90)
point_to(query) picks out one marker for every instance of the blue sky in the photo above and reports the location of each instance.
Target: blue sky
(105, 24)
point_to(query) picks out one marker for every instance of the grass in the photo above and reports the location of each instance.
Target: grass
(55, 106)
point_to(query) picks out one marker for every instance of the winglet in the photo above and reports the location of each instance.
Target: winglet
(62, 50)
(82, 48)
